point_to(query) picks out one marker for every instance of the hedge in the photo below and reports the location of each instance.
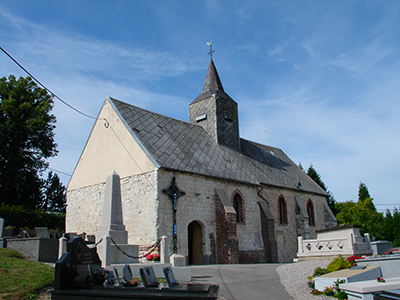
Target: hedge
(20, 217)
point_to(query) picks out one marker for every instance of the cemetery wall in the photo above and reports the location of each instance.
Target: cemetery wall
(36, 249)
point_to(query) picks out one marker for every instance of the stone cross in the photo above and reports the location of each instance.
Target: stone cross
(173, 193)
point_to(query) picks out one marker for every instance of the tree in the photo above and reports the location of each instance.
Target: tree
(54, 194)
(363, 192)
(363, 213)
(317, 178)
(26, 139)
(392, 224)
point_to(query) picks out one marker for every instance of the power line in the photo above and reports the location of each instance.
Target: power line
(33, 77)
(57, 171)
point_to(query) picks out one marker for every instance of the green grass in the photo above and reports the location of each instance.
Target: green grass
(20, 277)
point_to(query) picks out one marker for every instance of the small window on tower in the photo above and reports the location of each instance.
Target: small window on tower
(201, 117)
(228, 116)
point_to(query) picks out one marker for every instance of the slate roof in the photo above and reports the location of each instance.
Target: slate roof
(183, 146)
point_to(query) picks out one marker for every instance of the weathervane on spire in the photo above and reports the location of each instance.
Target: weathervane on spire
(211, 50)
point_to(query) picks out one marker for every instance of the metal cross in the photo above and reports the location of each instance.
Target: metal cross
(211, 50)
(173, 193)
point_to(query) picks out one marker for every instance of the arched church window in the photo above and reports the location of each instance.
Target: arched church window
(310, 211)
(282, 210)
(238, 205)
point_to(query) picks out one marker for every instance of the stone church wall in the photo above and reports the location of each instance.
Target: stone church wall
(286, 234)
(199, 205)
(147, 214)
(139, 206)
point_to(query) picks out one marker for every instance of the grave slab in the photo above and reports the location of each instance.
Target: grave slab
(392, 294)
(390, 264)
(364, 289)
(349, 275)
(187, 291)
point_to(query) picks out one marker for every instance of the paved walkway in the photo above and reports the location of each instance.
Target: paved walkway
(244, 281)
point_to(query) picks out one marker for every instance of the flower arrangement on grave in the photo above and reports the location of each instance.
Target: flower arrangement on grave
(100, 275)
(329, 291)
(380, 279)
(391, 251)
(310, 282)
(153, 257)
(352, 259)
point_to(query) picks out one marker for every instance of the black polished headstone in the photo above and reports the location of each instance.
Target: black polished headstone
(72, 270)
(148, 277)
(169, 276)
(127, 273)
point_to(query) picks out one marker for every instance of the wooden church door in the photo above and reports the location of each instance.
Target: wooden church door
(195, 242)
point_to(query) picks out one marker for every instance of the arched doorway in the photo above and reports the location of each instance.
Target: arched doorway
(195, 243)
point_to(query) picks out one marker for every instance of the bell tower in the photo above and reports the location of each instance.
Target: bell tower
(216, 112)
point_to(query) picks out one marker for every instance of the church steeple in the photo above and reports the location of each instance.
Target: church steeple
(212, 83)
(215, 111)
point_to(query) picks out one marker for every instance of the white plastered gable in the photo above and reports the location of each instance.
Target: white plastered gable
(111, 146)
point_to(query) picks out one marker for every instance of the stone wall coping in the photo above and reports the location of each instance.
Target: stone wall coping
(378, 258)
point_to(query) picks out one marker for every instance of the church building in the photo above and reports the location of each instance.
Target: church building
(237, 202)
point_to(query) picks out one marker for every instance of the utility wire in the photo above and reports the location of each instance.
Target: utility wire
(107, 124)
(57, 171)
(33, 77)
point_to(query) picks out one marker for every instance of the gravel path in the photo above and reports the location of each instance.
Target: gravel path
(294, 278)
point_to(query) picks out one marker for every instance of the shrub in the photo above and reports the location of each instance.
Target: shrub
(338, 264)
(20, 217)
(341, 295)
(319, 271)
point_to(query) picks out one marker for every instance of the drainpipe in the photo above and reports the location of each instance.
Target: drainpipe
(259, 194)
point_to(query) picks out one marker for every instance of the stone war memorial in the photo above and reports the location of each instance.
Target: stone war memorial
(237, 201)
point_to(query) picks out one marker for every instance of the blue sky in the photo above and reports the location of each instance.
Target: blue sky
(318, 79)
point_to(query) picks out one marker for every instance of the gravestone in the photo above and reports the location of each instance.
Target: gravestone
(1, 227)
(169, 276)
(71, 270)
(148, 277)
(127, 273)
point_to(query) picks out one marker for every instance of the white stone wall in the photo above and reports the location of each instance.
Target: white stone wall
(139, 207)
